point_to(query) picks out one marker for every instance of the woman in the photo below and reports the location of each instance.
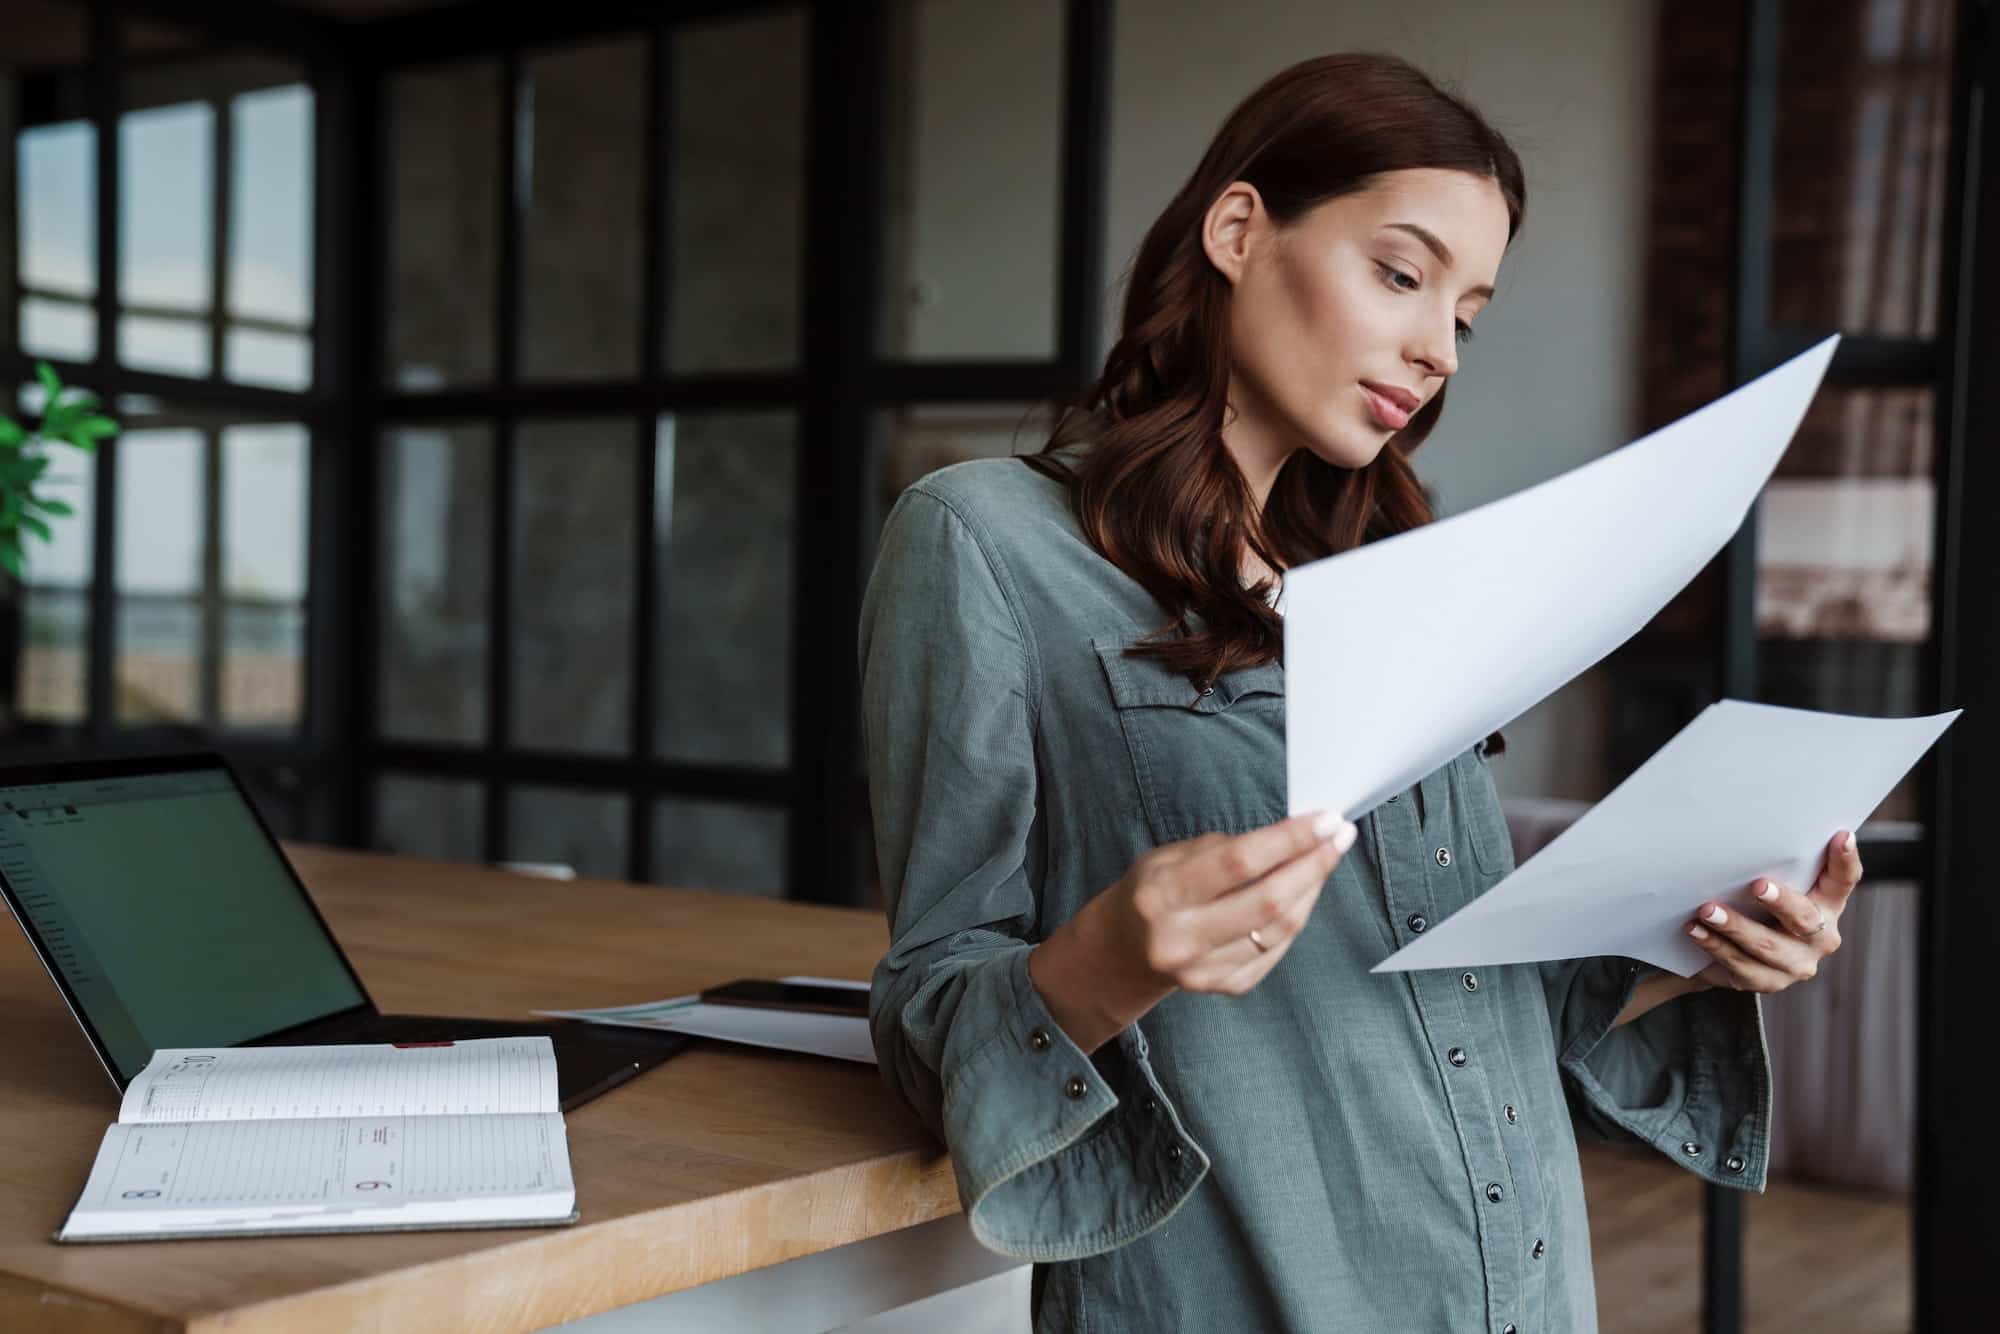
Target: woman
(1131, 997)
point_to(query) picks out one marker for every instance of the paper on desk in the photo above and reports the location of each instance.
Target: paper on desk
(1402, 653)
(1743, 791)
(840, 1036)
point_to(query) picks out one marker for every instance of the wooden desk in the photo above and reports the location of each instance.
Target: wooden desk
(720, 1161)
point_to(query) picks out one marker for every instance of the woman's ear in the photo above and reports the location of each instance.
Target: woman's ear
(1230, 226)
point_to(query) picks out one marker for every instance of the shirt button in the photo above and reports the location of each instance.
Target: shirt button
(1493, 1192)
(1507, 1328)
(1539, 1248)
(1039, 1040)
(1444, 856)
(1397, 797)
(1173, 1153)
(1416, 921)
(1734, 1162)
(1456, 1056)
(1206, 690)
(1690, 1148)
(1075, 1087)
(1512, 1115)
(1152, 1106)
(1470, 982)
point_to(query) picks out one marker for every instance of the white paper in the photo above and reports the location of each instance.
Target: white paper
(466, 1077)
(841, 1036)
(1742, 792)
(1402, 653)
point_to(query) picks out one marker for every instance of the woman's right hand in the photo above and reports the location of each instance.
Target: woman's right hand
(1180, 919)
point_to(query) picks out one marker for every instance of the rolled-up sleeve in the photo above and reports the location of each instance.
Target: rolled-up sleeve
(1691, 1077)
(1057, 1156)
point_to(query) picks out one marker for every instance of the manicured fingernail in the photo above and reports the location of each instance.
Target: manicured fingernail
(1698, 931)
(1344, 840)
(1716, 915)
(1847, 844)
(1769, 891)
(1326, 824)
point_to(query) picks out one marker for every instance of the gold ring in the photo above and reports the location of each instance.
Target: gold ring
(1258, 942)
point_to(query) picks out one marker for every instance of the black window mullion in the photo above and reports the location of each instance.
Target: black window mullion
(208, 662)
(106, 93)
(499, 660)
(1956, 1230)
(1085, 154)
(654, 294)
(844, 201)
(1756, 146)
(224, 146)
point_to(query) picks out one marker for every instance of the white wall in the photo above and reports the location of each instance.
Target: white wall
(1551, 379)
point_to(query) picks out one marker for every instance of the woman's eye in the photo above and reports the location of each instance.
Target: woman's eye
(1464, 332)
(1390, 274)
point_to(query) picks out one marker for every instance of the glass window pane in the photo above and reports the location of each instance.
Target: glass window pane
(1844, 542)
(265, 524)
(265, 511)
(573, 544)
(1864, 130)
(65, 330)
(174, 347)
(737, 170)
(263, 664)
(437, 501)
(55, 230)
(583, 830)
(924, 437)
(444, 184)
(429, 817)
(579, 171)
(281, 361)
(46, 47)
(166, 209)
(55, 641)
(271, 205)
(56, 168)
(161, 518)
(161, 510)
(724, 539)
(49, 679)
(158, 677)
(973, 183)
(719, 845)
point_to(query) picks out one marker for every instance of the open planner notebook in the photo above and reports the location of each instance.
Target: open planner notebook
(254, 1141)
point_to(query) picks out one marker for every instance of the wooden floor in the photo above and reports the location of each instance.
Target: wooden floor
(1816, 1260)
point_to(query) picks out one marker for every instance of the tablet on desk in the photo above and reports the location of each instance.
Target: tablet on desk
(805, 997)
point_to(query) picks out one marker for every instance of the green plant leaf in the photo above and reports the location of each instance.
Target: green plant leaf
(11, 434)
(11, 559)
(50, 381)
(60, 509)
(92, 429)
(37, 527)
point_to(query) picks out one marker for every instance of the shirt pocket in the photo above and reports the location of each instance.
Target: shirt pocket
(1480, 812)
(1204, 757)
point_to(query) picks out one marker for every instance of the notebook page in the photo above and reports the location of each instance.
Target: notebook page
(477, 1076)
(269, 1173)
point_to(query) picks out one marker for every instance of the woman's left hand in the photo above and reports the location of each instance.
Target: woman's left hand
(1752, 957)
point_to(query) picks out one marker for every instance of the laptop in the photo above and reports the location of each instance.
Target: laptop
(168, 916)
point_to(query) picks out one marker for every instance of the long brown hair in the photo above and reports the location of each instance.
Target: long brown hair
(1157, 494)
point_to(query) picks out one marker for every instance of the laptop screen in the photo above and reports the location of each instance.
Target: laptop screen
(168, 912)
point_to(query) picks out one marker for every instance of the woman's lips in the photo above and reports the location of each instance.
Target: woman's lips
(1387, 415)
